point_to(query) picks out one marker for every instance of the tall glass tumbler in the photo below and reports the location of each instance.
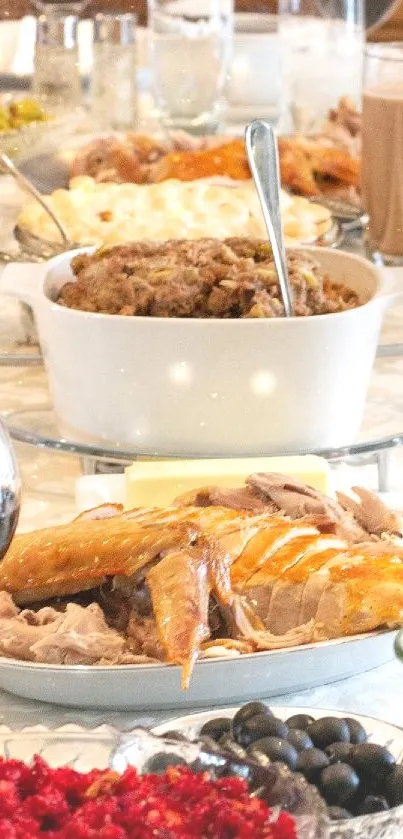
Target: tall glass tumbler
(322, 45)
(56, 81)
(114, 81)
(191, 44)
(382, 150)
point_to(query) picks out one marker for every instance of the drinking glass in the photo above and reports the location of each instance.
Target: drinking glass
(382, 150)
(255, 84)
(56, 80)
(114, 90)
(191, 42)
(9, 490)
(322, 51)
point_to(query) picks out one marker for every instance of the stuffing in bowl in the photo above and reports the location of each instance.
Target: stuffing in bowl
(214, 368)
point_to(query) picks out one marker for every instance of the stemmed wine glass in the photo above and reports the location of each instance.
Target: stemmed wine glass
(10, 490)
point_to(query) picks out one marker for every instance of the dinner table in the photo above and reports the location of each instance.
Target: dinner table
(49, 479)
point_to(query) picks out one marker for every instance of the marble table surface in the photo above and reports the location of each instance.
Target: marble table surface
(48, 498)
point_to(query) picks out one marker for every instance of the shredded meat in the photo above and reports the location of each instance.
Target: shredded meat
(142, 638)
(133, 158)
(205, 278)
(79, 635)
(354, 520)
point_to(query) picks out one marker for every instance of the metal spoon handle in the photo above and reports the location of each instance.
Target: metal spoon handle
(262, 152)
(26, 185)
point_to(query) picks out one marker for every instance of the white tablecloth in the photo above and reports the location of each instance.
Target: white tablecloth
(377, 693)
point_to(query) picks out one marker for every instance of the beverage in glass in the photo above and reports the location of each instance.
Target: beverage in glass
(56, 80)
(191, 42)
(382, 150)
(114, 79)
(322, 51)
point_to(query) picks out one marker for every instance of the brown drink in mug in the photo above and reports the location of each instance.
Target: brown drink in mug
(382, 149)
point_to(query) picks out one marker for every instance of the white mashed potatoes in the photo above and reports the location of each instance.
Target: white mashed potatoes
(112, 214)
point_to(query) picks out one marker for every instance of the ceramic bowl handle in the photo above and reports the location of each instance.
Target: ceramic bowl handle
(22, 280)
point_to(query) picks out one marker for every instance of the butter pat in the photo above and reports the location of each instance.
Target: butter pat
(156, 483)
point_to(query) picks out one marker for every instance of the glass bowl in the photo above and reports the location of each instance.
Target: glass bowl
(384, 825)
(104, 748)
(37, 138)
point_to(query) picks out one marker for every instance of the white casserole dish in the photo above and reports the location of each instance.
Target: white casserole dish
(210, 387)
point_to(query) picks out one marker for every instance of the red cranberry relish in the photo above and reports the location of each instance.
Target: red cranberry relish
(39, 801)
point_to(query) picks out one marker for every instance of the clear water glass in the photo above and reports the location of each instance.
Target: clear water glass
(191, 46)
(255, 85)
(56, 81)
(322, 45)
(114, 80)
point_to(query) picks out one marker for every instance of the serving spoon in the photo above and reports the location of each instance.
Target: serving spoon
(26, 185)
(44, 250)
(262, 153)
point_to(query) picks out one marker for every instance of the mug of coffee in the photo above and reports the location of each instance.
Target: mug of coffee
(382, 150)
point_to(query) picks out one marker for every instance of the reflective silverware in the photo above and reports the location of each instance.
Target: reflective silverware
(10, 490)
(262, 152)
(26, 185)
(20, 256)
(350, 216)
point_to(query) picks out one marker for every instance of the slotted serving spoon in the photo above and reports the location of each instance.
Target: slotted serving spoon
(262, 152)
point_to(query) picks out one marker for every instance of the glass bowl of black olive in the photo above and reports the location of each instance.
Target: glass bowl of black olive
(354, 763)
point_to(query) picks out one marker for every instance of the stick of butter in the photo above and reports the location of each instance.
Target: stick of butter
(156, 483)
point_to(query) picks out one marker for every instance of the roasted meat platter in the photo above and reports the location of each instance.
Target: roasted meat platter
(220, 576)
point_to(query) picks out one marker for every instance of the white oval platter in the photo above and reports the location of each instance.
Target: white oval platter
(215, 681)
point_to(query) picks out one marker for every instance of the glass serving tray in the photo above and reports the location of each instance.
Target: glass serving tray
(38, 427)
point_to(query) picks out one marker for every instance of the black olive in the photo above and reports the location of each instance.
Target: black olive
(299, 739)
(258, 727)
(216, 728)
(372, 804)
(227, 744)
(258, 756)
(338, 783)
(198, 765)
(357, 731)
(311, 762)
(338, 752)
(277, 749)
(394, 786)
(300, 721)
(328, 730)
(338, 814)
(207, 743)
(174, 735)
(371, 761)
(158, 763)
(252, 709)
